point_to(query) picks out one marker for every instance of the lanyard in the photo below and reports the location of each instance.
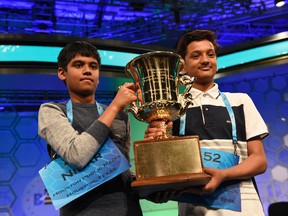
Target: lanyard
(69, 110)
(231, 115)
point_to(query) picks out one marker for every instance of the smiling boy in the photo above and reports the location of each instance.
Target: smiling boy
(230, 130)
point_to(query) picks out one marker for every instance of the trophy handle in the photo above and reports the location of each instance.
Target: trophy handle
(186, 96)
(134, 110)
(187, 81)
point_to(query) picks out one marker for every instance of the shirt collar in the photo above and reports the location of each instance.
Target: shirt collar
(213, 92)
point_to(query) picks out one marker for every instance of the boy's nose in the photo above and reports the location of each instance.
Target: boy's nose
(204, 58)
(86, 69)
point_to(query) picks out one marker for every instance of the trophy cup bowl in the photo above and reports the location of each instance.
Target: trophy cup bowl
(168, 162)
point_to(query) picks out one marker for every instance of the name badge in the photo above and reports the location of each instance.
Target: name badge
(65, 183)
(227, 195)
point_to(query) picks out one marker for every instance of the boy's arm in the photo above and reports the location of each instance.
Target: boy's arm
(76, 149)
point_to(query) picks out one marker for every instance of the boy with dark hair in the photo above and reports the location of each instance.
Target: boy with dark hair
(230, 130)
(77, 142)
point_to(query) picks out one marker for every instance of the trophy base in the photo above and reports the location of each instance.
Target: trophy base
(143, 188)
(170, 163)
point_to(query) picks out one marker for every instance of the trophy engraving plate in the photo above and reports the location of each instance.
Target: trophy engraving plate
(166, 157)
(168, 164)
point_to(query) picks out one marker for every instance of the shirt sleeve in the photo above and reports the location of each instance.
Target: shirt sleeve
(254, 123)
(76, 149)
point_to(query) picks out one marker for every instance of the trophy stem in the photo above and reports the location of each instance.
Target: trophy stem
(168, 131)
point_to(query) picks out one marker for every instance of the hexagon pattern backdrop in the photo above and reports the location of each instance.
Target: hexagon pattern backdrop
(23, 152)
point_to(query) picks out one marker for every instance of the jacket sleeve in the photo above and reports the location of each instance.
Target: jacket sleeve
(76, 149)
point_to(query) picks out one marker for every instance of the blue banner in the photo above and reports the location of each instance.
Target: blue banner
(227, 195)
(65, 183)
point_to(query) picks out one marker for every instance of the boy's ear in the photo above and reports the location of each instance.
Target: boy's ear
(61, 74)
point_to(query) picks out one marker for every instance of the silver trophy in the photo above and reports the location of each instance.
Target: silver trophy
(167, 162)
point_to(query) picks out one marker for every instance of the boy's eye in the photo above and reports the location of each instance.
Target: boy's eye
(211, 55)
(195, 55)
(94, 66)
(78, 65)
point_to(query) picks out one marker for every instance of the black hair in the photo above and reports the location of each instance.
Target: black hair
(72, 49)
(196, 35)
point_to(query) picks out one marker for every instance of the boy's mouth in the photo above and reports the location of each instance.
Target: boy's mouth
(87, 79)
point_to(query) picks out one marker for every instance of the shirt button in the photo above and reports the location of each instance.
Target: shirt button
(204, 95)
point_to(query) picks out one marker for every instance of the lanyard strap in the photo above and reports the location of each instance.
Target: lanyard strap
(182, 125)
(231, 115)
(69, 110)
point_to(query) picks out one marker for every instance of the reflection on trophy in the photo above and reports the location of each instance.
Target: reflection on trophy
(167, 162)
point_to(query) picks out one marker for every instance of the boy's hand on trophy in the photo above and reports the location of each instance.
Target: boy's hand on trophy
(157, 129)
(126, 95)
